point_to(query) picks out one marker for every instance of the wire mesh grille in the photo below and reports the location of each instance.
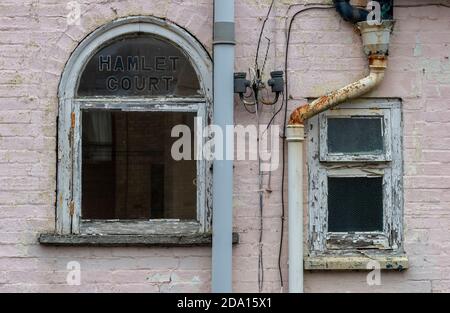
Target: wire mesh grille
(356, 135)
(355, 204)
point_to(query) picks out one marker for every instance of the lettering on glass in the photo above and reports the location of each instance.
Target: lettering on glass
(139, 66)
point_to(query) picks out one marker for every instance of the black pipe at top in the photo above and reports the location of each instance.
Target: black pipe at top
(350, 13)
(355, 15)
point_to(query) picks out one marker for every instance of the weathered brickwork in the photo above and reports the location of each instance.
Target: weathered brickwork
(325, 53)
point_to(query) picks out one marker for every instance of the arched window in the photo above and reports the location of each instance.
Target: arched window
(139, 65)
(123, 91)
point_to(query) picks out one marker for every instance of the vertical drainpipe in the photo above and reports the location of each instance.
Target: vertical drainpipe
(295, 135)
(223, 169)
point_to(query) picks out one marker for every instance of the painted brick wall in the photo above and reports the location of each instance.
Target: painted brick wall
(35, 43)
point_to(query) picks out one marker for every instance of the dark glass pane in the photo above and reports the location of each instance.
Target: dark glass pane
(128, 171)
(355, 204)
(139, 65)
(358, 135)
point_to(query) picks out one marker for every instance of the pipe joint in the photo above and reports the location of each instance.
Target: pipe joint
(224, 33)
(299, 116)
(376, 37)
(295, 133)
(378, 62)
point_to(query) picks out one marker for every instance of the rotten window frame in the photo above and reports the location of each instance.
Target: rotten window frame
(134, 227)
(68, 210)
(383, 114)
(388, 165)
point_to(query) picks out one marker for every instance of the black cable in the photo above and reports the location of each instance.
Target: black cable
(255, 91)
(260, 37)
(277, 112)
(286, 101)
(248, 110)
(260, 199)
(243, 99)
(266, 56)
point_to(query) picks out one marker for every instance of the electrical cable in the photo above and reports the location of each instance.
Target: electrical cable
(256, 86)
(265, 57)
(303, 5)
(260, 37)
(246, 104)
(269, 180)
(276, 112)
(286, 101)
(260, 200)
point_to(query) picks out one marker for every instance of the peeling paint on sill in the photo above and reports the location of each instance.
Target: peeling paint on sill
(162, 240)
(356, 262)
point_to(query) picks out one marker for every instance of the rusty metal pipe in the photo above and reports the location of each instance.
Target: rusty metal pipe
(376, 38)
(377, 65)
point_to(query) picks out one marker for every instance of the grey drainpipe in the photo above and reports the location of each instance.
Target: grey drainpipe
(223, 169)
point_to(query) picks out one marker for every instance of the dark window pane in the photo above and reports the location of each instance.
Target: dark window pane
(355, 204)
(128, 171)
(139, 65)
(358, 135)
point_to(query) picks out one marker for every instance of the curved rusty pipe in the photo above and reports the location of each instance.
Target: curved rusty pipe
(377, 65)
(376, 39)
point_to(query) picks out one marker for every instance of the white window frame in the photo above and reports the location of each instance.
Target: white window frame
(388, 165)
(326, 156)
(68, 212)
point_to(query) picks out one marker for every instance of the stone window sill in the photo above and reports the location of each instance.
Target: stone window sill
(178, 240)
(398, 262)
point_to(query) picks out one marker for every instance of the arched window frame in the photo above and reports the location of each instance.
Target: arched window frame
(68, 212)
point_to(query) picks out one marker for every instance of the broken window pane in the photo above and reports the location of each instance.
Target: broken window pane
(356, 135)
(127, 168)
(139, 65)
(355, 204)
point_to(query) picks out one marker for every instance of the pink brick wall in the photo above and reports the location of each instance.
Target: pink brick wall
(35, 43)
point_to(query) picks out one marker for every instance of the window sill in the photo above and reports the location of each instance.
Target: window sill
(178, 240)
(398, 262)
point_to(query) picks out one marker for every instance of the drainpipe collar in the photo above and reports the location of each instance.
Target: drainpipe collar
(376, 37)
(224, 33)
(295, 133)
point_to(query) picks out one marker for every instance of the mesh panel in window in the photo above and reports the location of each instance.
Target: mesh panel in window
(355, 204)
(357, 135)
